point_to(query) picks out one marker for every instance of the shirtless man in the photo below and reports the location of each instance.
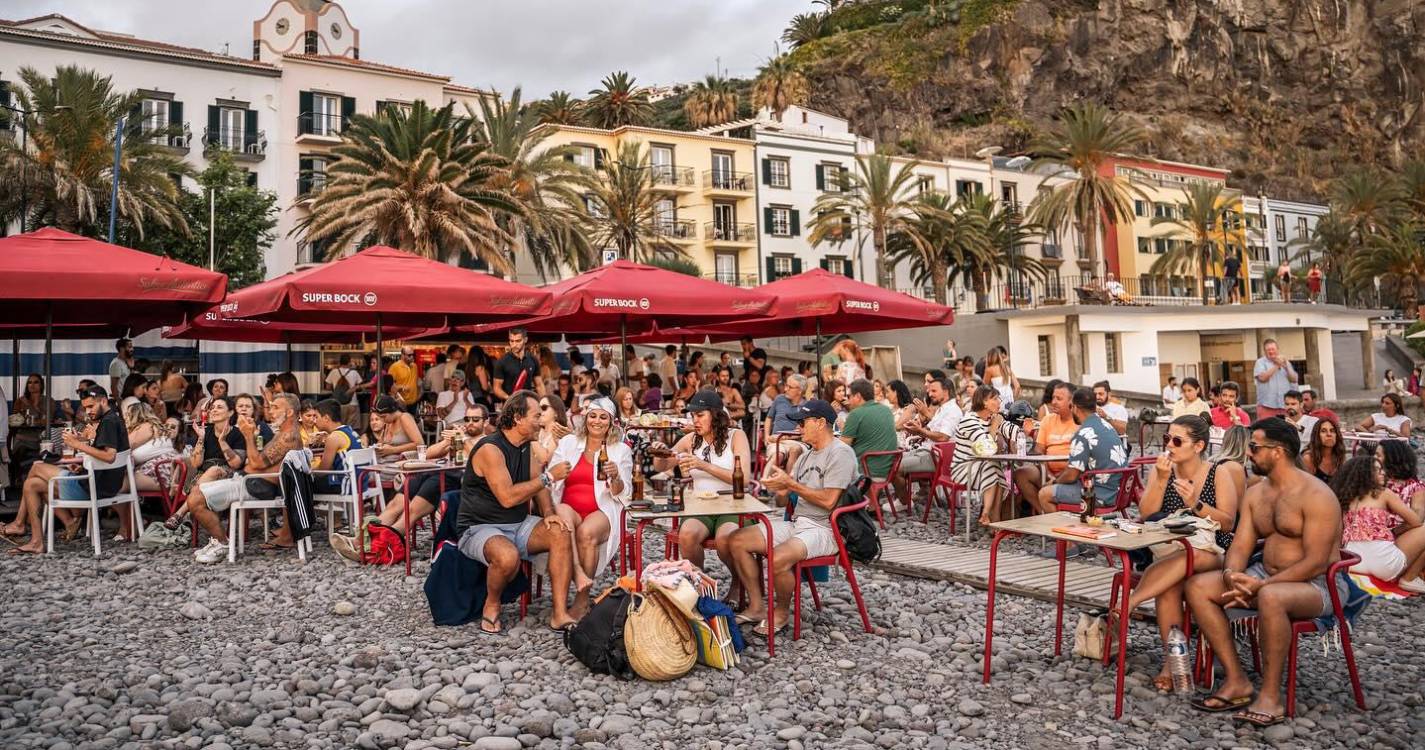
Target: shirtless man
(1299, 520)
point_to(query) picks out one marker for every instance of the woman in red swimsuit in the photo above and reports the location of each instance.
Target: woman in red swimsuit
(589, 499)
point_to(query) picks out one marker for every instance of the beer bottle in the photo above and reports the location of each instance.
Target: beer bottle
(603, 461)
(675, 495)
(739, 482)
(637, 483)
(1090, 499)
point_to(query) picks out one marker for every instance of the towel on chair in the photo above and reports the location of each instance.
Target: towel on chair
(455, 585)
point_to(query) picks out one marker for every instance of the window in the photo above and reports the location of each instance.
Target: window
(968, 187)
(661, 158)
(725, 268)
(1301, 231)
(310, 41)
(835, 265)
(582, 155)
(326, 114)
(231, 128)
(782, 265)
(830, 178)
(1160, 245)
(593, 207)
(722, 176)
(665, 216)
(924, 185)
(1140, 207)
(1280, 225)
(1113, 350)
(251, 178)
(1009, 193)
(154, 115)
(1145, 245)
(779, 173)
(314, 175)
(1046, 356)
(781, 221)
(1162, 211)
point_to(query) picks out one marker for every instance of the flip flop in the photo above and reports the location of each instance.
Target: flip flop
(742, 619)
(500, 630)
(1259, 719)
(70, 532)
(1216, 704)
(762, 628)
(21, 551)
(275, 547)
(563, 628)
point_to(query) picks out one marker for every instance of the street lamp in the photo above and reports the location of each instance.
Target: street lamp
(114, 193)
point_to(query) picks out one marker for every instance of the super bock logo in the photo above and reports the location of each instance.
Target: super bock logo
(856, 304)
(641, 303)
(339, 298)
(369, 299)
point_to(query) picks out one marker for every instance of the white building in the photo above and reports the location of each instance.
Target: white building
(1277, 229)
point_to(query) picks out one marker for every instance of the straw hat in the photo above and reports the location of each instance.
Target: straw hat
(658, 638)
(684, 597)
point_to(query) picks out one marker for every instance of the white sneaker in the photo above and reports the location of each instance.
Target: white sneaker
(1416, 586)
(215, 552)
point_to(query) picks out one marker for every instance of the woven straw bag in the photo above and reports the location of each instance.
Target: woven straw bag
(658, 638)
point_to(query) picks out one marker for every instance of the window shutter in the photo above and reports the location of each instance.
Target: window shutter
(848, 269)
(796, 266)
(251, 179)
(821, 177)
(348, 108)
(766, 171)
(771, 270)
(569, 158)
(135, 115)
(767, 220)
(304, 112)
(213, 118)
(380, 107)
(825, 262)
(249, 130)
(175, 113)
(304, 176)
(599, 155)
(796, 222)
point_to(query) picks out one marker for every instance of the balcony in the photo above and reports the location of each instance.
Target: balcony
(243, 145)
(177, 137)
(722, 233)
(678, 230)
(320, 127)
(671, 177)
(745, 280)
(724, 181)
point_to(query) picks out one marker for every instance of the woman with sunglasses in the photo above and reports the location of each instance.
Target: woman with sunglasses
(1326, 451)
(553, 426)
(1370, 515)
(983, 422)
(1182, 479)
(426, 496)
(589, 498)
(30, 404)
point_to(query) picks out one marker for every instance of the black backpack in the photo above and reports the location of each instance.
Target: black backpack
(341, 389)
(857, 527)
(597, 639)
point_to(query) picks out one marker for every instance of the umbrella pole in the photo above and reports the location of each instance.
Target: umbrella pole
(623, 348)
(816, 367)
(288, 337)
(49, 365)
(376, 379)
(15, 368)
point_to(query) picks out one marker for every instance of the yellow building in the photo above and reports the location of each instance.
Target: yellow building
(707, 187)
(1134, 246)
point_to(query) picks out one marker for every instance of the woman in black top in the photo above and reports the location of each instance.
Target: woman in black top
(1326, 451)
(218, 451)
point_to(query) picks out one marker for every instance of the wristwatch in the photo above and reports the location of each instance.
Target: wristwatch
(1197, 508)
(545, 479)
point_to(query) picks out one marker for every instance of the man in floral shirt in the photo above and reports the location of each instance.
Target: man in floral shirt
(1096, 445)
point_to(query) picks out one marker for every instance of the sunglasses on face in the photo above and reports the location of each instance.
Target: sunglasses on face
(1177, 441)
(1254, 447)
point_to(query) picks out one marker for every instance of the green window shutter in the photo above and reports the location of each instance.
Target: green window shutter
(252, 179)
(848, 269)
(380, 107)
(820, 177)
(826, 264)
(304, 112)
(771, 270)
(213, 118)
(249, 130)
(175, 113)
(796, 266)
(599, 156)
(304, 176)
(796, 222)
(766, 171)
(348, 108)
(767, 220)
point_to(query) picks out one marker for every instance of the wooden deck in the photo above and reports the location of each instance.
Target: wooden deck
(1086, 584)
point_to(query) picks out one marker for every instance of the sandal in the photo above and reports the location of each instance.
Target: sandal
(70, 532)
(761, 629)
(499, 629)
(1216, 704)
(172, 522)
(1259, 719)
(270, 546)
(742, 619)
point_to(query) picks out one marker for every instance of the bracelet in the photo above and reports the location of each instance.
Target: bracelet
(545, 479)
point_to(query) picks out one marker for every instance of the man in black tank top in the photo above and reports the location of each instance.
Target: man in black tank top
(494, 522)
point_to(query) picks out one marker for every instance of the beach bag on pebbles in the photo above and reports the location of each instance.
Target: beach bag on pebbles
(658, 638)
(597, 639)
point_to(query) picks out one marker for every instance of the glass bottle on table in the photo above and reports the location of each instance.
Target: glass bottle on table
(637, 483)
(1090, 501)
(739, 481)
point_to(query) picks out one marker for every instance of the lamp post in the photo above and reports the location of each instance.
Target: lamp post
(24, 141)
(114, 193)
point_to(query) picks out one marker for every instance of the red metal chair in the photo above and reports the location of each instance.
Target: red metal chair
(887, 483)
(1247, 619)
(801, 570)
(944, 454)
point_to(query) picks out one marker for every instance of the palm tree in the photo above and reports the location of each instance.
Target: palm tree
(780, 84)
(417, 181)
(561, 108)
(805, 28)
(1412, 184)
(878, 196)
(623, 210)
(712, 101)
(618, 103)
(1396, 256)
(1369, 199)
(1204, 216)
(548, 187)
(939, 235)
(63, 176)
(1331, 243)
(1008, 233)
(1077, 149)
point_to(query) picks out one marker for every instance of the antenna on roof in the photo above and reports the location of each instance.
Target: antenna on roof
(225, 48)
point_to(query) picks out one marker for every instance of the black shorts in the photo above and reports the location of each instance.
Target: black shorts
(428, 488)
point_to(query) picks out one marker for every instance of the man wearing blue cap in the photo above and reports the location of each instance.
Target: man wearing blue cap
(817, 479)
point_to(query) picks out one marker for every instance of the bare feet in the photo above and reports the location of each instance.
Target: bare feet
(582, 582)
(12, 529)
(580, 607)
(35, 547)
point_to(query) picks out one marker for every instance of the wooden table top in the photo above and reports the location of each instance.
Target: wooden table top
(1036, 458)
(696, 506)
(1043, 526)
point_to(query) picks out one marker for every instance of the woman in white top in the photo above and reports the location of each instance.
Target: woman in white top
(1393, 384)
(998, 374)
(152, 450)
(853, 363)
(1191, 401)
(707, 455)
(589, 500)
(1391, 418)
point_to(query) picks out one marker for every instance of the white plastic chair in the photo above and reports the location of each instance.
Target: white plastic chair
(127, 494)
(352, 497)
(246, 502)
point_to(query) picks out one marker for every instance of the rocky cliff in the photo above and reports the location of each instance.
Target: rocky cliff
(1286, 93)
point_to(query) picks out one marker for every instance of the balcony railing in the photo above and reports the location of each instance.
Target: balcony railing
(325, 124)
(717, 231)
(733, 279)
(241, 143)
(176, 136)
(667, 175)
(721, 179)
(676, 229)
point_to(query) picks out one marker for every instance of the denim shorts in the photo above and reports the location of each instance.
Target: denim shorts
(473, 541)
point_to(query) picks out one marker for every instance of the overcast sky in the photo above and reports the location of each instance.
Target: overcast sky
(540, 44)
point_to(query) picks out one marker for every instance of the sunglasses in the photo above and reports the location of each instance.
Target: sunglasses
(474, 419)
(1254, 447)
(1177, 441)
